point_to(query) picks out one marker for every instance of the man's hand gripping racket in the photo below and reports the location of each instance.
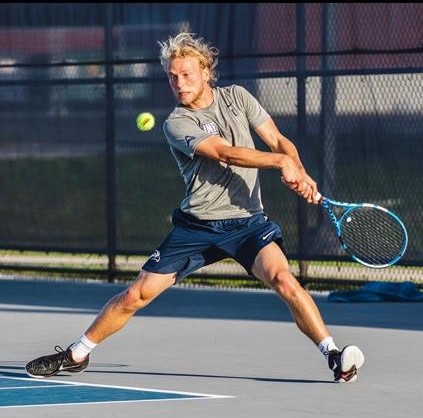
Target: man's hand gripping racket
(372, 235)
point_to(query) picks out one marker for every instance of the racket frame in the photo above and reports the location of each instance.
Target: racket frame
(326, 203)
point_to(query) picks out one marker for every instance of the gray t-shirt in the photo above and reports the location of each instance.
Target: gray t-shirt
(215, 190)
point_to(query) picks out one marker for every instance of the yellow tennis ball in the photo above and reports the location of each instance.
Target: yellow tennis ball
(146, 121)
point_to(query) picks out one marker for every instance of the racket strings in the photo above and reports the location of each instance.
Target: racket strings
(373, 235)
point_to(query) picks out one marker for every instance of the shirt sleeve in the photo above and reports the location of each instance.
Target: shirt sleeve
(184, 134)
(254, 111)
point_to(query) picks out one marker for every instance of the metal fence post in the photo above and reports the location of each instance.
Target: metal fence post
(110, 145)
(301, 132)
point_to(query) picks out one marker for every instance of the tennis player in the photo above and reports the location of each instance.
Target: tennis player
(221, 215)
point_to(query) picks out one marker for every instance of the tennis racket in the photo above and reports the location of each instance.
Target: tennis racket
(371, 235)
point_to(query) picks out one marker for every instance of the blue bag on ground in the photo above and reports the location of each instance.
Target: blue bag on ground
(380, 292)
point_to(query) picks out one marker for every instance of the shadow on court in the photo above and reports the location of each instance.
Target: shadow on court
(6, 372)
(80, 297)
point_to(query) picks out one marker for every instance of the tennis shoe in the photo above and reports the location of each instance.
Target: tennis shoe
(345, 363)
(48, 366)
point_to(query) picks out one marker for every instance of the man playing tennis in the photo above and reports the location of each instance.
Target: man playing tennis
(221, 214)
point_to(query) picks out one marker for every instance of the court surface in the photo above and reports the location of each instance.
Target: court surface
(200, 353)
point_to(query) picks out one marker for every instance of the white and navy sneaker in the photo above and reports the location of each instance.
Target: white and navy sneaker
(345, 363)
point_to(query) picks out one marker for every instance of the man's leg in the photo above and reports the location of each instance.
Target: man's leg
(118, 310)
(114, 316)
(271, 266)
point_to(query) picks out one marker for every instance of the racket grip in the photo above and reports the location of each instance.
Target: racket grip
(318, 196)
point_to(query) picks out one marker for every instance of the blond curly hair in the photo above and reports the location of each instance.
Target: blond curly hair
(188, 45)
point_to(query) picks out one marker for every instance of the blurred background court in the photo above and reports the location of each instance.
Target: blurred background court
(84, 193)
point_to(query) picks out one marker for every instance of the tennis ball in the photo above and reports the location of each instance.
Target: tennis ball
(146, 121)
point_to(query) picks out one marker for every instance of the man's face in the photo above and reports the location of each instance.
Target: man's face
(188, 81)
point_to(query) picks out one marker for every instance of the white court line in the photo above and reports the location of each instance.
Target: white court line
(32, 308)
(31, 387)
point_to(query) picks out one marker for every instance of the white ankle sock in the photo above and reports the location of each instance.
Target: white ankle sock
(82, 348)
(326, 346)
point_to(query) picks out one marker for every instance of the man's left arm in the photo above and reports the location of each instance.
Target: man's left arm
(278, 143)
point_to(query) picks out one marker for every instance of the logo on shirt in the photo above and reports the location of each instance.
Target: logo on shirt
(210, 127)
(233, 110)
(188, 139)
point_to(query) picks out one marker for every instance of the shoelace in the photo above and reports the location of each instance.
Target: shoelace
(59, 349)
(46, 361)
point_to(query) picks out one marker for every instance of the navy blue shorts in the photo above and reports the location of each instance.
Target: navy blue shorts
(194, 243)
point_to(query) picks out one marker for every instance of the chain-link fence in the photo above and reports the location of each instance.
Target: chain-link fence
(83, 190)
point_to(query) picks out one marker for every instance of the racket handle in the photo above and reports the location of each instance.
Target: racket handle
(318, 196)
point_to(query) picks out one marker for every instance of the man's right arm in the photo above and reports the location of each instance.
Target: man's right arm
(217, 148)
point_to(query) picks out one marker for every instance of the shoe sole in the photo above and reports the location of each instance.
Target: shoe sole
(352, 359)
(38, 376)
(46, 376)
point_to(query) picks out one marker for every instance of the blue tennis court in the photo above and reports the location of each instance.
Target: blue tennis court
(23, 392)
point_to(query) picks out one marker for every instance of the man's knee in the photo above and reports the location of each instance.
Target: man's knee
(147, 287)
(137, 297)
(286, 285)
